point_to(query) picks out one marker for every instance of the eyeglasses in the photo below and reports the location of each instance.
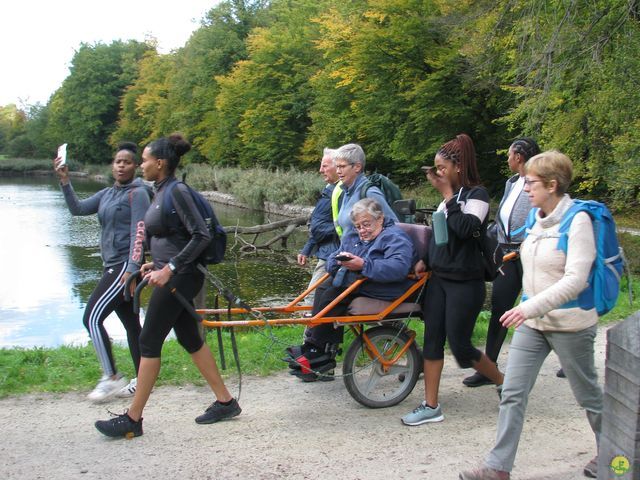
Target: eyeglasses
(529, 182)
(343, 166)
(363, 226)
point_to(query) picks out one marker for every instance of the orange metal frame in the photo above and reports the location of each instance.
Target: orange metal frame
(355, 322)
(293, 307)
(382, 357)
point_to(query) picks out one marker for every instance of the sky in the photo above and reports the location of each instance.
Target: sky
(38, 38)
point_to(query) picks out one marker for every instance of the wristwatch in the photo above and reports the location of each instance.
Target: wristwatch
(172, 267)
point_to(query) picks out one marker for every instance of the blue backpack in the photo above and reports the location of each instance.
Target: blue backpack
(604, 279)
(214, 253)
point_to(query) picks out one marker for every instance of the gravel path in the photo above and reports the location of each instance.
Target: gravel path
(294, 430)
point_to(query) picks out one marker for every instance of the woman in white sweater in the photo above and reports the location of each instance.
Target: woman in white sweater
(550, 280)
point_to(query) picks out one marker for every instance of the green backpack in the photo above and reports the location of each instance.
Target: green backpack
(389, 189)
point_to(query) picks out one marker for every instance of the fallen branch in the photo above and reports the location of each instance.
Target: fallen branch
(290, 225)
(268, 227)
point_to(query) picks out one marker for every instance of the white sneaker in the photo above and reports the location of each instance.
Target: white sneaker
(128, 390)
(107, 388)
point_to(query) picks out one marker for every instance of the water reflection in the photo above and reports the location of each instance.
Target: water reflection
(51, 264)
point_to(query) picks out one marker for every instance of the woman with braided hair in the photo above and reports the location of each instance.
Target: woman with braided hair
(455, 292)
(510, 218)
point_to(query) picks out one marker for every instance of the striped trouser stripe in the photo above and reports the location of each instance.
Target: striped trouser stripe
(99, 343)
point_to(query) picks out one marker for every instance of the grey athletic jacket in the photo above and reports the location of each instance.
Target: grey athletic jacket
(120, 210)
(517, 217)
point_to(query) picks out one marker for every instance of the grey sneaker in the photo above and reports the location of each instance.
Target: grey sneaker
(591, 468)
(484, 473)
(217, 411)
(423, 414)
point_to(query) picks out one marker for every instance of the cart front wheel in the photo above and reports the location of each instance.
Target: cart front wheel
(373, 385)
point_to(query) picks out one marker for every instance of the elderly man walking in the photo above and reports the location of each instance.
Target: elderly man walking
(323, 239)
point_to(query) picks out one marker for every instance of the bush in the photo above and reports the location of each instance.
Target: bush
(254, 186)
(25, 164)
(631, 246)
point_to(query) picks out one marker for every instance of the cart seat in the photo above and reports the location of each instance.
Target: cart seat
(371, 306)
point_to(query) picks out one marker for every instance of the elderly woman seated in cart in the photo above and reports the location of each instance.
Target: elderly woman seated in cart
(376, 249)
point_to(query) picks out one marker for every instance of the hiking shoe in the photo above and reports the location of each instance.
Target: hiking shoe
(107, 388)
(323, 373)
(128, 390)
(484, 473)
(476, 380)
(120, 426)
(423, 414)
(217, 411)
(591, 468)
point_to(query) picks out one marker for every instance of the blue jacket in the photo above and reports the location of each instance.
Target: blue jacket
(323, 239)
(388, 259)
(352, 194)
(120, 210)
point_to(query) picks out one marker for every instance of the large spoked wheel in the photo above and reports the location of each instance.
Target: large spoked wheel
(372, 384)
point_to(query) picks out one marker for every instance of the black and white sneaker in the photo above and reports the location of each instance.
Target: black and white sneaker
(218, 411)
(120, 426)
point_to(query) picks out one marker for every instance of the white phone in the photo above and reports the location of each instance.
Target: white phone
(62, 154)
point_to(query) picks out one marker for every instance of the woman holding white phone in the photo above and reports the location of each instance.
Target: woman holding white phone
(120, 210)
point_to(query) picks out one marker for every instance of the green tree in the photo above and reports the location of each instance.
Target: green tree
(211, 51)
(143, 106)
(262, 109)
(12, 122)
(84, 110)
(571, 68)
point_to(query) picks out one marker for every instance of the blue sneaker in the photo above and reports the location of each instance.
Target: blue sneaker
(423, 414)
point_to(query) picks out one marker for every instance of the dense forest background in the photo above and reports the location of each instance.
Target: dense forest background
(270, 83)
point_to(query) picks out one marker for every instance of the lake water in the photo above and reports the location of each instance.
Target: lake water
(50, 263)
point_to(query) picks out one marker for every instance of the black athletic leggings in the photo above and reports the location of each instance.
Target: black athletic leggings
(166, 312)
(450, 312)
(506, 289)
(108, 296)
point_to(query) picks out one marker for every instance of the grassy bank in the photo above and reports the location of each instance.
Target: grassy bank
(67, 369)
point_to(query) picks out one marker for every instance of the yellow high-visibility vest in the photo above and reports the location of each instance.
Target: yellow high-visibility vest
(335, 206)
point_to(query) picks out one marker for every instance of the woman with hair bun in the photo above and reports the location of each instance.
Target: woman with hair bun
(455, 292)
(175, 254)
(120, 210)
(510, 218)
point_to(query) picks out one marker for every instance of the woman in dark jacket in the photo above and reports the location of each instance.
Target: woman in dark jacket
(456, 290)
(120, 210)
(372, 248)
(175, 254)
(510, 218)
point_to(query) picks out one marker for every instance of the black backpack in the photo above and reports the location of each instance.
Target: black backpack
(492, 252)
(214, 253)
